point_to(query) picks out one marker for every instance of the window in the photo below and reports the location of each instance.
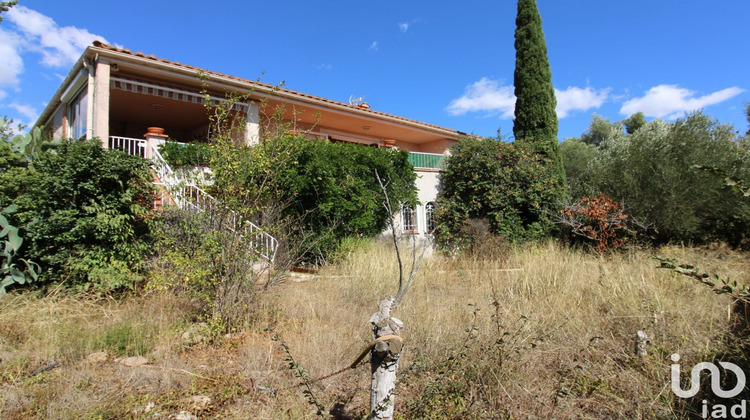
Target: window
(409, 219)
(429, 217)
(77, 111)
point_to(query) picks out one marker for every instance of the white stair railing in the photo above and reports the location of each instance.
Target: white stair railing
(189, 196)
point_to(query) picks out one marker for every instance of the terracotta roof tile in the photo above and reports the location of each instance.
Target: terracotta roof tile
(108, 47)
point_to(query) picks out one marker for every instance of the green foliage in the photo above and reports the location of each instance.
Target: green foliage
(535, 120)
(180, 155)
(124, 339)
(6, 128)
(11, 243)
(577, 156)
(600, 130)
(634, 122)
(322, 192)
(29, 145)
(500, 182)
(337, 193)
(10, 159)
(653, 172)
(200, 255)
(86, 212)
(5, 6)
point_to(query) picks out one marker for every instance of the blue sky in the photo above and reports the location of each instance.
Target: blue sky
(445, 63)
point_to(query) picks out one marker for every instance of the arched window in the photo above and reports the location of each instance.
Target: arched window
(429, 217)
(409, 219)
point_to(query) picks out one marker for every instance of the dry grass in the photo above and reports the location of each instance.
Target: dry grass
(550, 333)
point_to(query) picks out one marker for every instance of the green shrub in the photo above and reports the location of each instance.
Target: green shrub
(124, 339)
(653, 172)
(319, 192)
(499, 182)
(11, 272)
(190, 154)
(336, 191)
(86, 212)
(577, 156)
(201, 257)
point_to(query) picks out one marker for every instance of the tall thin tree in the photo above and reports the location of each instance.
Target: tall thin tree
(535, 122)
(535, 125)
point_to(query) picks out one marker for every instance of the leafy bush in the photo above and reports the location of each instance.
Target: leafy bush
(316, 191)
(336, 191)
(10, 272)
(599, 219)
(86, 212)
(577, 156)
(500, 182)
(653, 171)
(191, 154)
(200, 255)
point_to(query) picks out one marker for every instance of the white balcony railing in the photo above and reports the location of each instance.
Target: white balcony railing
(426, 160)
(135, 147)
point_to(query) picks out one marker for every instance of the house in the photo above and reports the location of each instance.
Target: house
(116, 95)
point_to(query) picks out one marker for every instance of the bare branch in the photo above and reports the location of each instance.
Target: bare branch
(416, 262)
(392, 223)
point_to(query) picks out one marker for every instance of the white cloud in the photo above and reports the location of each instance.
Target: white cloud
(374, 45)
(30, 113)
(485, 96)
(59, 46)
(25, 30)
(577, 99)
(672, 101)
(403, 27)
(490, 97)
(324, 66)
(11, 64)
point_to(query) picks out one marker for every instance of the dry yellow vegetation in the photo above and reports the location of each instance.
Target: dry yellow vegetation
(543, 330)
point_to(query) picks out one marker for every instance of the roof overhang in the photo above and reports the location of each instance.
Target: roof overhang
(197, 78)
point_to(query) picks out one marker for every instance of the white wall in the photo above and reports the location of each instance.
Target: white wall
(427, 183)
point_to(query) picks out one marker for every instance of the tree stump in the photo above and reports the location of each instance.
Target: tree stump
(384, 359)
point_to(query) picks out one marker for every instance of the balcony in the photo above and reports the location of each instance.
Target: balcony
(426, 160)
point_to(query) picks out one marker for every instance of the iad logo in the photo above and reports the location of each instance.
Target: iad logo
(718, 411)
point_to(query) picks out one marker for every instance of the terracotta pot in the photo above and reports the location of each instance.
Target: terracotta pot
(155, 130)
(389, 143)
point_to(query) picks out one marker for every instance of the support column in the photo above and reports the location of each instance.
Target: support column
(154, 138)
(252, 125)
(100, 102)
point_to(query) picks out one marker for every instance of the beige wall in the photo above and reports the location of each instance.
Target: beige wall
(100, 101)
(57, 123)
(438, 146)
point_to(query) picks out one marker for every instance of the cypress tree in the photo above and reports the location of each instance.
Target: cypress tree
(535, 123)
(536, 120)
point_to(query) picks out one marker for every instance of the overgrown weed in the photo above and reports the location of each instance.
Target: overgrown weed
(549, 332)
